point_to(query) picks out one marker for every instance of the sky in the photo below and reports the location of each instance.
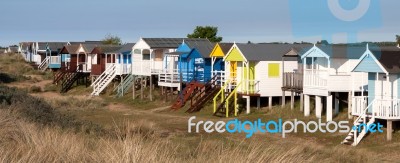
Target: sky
(237, 20)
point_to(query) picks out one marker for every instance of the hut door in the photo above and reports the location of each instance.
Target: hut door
(233, 70)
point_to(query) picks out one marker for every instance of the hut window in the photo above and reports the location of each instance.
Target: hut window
(158, 55)
(136, 51)
(273, 70)
(94, 59)
(146, 54)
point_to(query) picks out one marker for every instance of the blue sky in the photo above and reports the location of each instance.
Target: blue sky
(237, 20)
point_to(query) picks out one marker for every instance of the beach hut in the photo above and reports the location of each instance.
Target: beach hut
(217, 61)
(46, 54)
(148, 57)
(192, 63)
(26, 50)
(124, 60)
(75, 65)
(109, 61)
(327, 70)
(382, 68)
(194, 72)
(252, 71)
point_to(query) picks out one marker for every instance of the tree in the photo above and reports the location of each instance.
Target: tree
(323, 42)
(209, 32)
(112, 40)
(398, 39)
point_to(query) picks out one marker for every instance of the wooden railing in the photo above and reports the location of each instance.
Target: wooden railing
(142, 67)
(315, 78)
(169, 76)
(359, 103)
(55, 59)
(379, 108)
(250, 87)
(293, 80)
(386, 108)
(235, 99)
(220, 79)
(221, 95)
(123, 68)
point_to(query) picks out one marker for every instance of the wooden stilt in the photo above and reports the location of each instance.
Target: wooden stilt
(164, 90)
(283, 99)
(318, 106)
(270, 102)
(389, 130)
(258, 102)
(292, 100)
(329, 108)
(301, 102)
(151, 88)
(133, 88)
(337, 103)
(141, 88)
(122, 88)
(248, 105)
(349, 107)
(306, 105)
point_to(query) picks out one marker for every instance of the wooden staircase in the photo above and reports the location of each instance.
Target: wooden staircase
(359, 129)
(124, 86)
(226, 106)
(58, 76)
(222, 110)
(186, 94)
(203, 95)
(44, 65)
(70, 79)
(103, 80)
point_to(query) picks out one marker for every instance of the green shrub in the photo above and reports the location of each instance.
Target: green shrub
(37, 110)
(9, 78)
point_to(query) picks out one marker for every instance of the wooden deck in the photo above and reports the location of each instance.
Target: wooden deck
(249, 94)
(292, 81)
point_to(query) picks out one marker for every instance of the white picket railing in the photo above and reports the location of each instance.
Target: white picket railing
(315, 78)
(250, 87)
(221, 77)
(124, 68)
(359, 103)
(380, 108)
(386, 108)
(141, 67)
(169, 76)
(55, 59)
